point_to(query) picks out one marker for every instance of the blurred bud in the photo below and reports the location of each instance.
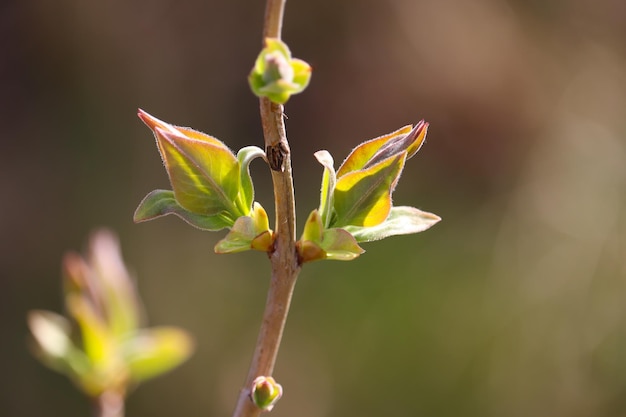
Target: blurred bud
(276, 75)
(265, 392)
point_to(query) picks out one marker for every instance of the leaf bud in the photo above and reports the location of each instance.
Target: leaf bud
(265, 392)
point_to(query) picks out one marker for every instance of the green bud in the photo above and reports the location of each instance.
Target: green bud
(265, 392)
(276, 75)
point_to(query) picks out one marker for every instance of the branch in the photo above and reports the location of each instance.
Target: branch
(284, 259)
(109, 404)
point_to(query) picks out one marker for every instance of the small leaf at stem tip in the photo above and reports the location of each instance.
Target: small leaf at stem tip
(265, 392)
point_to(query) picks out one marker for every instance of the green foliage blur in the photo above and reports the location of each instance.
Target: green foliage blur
(512, 306)
(101, 345)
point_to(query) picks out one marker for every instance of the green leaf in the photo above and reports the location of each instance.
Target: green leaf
(373, 151)
(248, 232)
(329, 180)
(359, 157)
(204, 173)
(363, 198)
(318, 243)
(301, 74)
(313, 228)
(401, 221)
(160, 203)
(151, 352)
(246, 193)
(340, 245)
(409, 143)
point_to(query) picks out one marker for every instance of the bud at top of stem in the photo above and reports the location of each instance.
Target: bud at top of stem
(276, 75)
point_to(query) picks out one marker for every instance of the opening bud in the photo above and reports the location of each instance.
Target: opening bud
(276, 75)
(265, 392)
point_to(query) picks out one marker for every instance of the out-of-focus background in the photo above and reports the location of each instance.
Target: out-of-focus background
(514, 305)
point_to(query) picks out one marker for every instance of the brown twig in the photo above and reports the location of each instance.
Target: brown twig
(284, 260)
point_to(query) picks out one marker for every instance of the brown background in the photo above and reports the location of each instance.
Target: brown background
(513, 306)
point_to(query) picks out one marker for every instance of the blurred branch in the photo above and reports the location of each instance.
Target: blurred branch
(109, 404)
(285, 265)
(274, 10)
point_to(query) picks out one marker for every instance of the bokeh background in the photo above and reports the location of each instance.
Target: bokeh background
(514, 305)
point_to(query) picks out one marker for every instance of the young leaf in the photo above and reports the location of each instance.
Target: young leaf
(151, 352)
(246, 193)
(363, 198)
(313, 228)
(160, 203)
(376, 150)
(329, 180)
(401, 221)
(340, 245)
(204, 176)
(319, 243)
(248, 232)
(239, 238)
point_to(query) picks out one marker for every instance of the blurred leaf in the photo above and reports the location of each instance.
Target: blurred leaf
(162, 202)
(329, 180)
(401, 221)
(97, 339)
(51, 332)
(363, 198)
(54, 346)
(114, 293)
(151, 352)
(246, 194)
